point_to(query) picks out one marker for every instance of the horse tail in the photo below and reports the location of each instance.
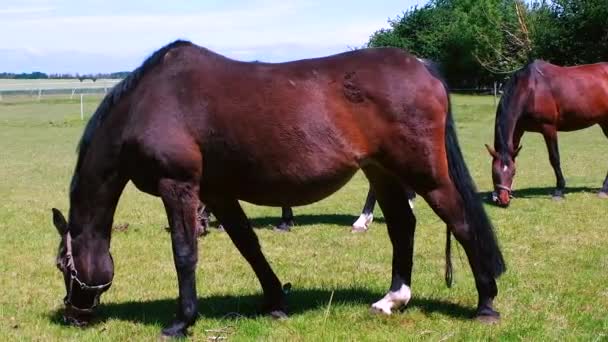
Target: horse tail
(448, 258)
(483, 237)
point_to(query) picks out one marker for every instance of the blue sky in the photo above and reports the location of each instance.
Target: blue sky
(110, 35)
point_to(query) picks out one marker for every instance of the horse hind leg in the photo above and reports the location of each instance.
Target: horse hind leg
(447, 203)
(367, 214)
(401, 225)
(239, 229)
(286, 220)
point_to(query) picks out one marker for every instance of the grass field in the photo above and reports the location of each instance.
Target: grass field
(556, 286)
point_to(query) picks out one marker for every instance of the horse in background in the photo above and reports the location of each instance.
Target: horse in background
(287, 219)
(546, 98)
(190, 125)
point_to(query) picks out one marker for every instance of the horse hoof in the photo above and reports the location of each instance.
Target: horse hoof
(379, 311)
(358, 229)
(557, 198)
(488, 319)
(177, 329)
(488, 316)
(602, 194)
(282, 228)
(278, 314)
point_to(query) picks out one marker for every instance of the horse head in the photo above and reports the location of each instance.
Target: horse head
(503, 171)
(87, 270)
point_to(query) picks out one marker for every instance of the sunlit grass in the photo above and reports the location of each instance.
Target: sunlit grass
(556, 286)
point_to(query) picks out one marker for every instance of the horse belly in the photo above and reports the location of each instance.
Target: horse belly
(288, 181)
(573, 121)
(293, 192)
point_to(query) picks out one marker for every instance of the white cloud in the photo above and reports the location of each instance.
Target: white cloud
(24, 10)
(244, 28)
(272, 30)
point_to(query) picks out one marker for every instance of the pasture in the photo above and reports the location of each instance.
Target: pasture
(555, 287)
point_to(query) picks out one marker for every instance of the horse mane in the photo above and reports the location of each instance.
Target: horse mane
(502, 119)
(120, 90)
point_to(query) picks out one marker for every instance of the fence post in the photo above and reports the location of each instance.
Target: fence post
(81, 108)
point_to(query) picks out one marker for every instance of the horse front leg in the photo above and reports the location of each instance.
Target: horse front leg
(239, 229)
(550, 135)
(181, 204)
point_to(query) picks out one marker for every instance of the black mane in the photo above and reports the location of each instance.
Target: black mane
(501, 145)
(115, 95)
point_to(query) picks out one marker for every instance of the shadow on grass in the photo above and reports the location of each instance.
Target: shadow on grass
(268, 222)
(160, 312)
(540, 192)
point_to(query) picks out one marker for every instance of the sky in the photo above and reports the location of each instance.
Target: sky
(60, 36)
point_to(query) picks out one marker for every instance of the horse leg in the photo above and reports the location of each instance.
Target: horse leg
(286, 220)
(447, 204)
(550, 135)
(181, 204)
(411, 197)
(401, 225)
(367, 215)
(244, 238)
(202, 220)
(604, 191)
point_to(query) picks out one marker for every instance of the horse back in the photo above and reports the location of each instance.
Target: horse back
(290, 125)
(576, 97)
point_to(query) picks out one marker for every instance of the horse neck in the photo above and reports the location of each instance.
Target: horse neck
(96, 187)
(508, 115)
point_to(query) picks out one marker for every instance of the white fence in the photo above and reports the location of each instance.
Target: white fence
(40, 88)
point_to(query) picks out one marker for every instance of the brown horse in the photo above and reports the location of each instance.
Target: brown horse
(190, 125)
(545, 98)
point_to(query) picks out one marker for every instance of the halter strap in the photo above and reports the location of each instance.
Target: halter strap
(71, 267)
(503, 187)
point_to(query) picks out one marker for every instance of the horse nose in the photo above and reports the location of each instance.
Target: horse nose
(503, 199)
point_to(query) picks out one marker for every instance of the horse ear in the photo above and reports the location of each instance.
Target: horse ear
(60, 222)
(517, 151)
(491, 151)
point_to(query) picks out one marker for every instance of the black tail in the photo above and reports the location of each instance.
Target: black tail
(481, 227)
(484, 238)
(448, 258)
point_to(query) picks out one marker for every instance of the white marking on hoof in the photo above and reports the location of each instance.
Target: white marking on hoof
(363, 222)
(411, 202)
(393, 300)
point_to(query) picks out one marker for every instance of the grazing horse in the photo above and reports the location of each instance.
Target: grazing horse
(190, 125)
(546, 98)
(287, 219)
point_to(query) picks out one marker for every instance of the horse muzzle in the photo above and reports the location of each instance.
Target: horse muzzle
(502, 196)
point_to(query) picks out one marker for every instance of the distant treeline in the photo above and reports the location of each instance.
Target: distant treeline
(478, 42)
(81, 77)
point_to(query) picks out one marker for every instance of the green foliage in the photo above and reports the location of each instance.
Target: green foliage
(480, 41)
(23, 75)
(571, 31)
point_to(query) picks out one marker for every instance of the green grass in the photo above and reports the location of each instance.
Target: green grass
(556, 286)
